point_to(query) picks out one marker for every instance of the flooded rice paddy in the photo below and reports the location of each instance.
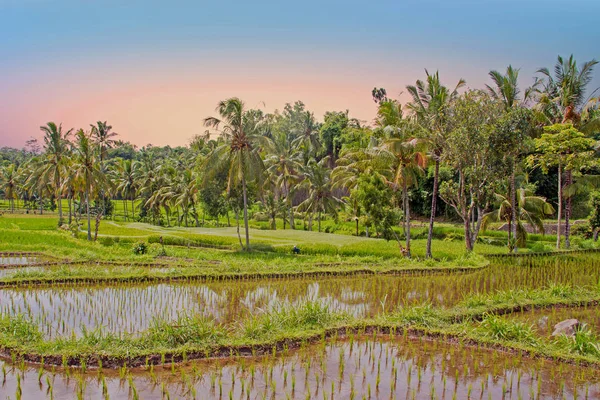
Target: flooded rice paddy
(355, 368)
(130, 308)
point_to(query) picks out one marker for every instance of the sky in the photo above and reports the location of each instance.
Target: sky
(155, 69)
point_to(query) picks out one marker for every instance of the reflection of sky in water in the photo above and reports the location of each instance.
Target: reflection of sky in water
(132, 308)
(64, 311)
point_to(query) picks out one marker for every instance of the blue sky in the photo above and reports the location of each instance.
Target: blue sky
(62, 60)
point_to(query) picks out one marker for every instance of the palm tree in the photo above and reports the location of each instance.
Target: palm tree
(8, 181)
(531, 209)
(188, 195)
(407, 164)
(561, 98)
(123, 175)
(307, 139)
(56, 153)
(103, 136)
(87, 171)
(317, 180)
(284, 162)
(506, 89)
(239, 155)
(428, 107)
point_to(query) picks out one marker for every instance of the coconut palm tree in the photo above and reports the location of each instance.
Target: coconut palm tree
(123, 174)
(430, 100)
(407, 162)
(317, 181)
(561, 95)
(506, 89)
(239, 154)
(103, 135)
(8, 182)
(55, 154)
(307, 139)
(530, 209)
(87, 170)
(284, 162)
(561, 98)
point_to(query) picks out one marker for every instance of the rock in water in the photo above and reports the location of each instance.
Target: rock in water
(567, 327)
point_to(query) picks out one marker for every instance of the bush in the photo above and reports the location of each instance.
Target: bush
(140, 248)
(584, 230)
(261, 217)
(541, 248)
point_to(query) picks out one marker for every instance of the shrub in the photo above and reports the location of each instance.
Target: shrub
(140, 248)
(540, 248)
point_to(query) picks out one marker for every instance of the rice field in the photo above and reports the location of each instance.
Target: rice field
(348, 320)
(351, 368)
(72, 309)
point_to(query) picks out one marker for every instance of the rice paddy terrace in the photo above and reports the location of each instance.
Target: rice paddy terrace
(422, 333)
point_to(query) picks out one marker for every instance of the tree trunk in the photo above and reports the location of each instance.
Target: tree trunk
(407, 220)
(70, 200)
(433, 207)
(468, 244)
(89, 219)
(125, 207)
(513, 206)
(97, 226)
(356, 226)
(596, 235)
(568, 209)
(237, 220)
(509, 234)
(560, 191)
(195, 214)
(59, 198)
(319, 216)
(245, 195)
(310, 221)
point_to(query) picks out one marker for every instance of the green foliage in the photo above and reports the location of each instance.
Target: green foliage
(375, 198)
(502, 329)
(584, 342)
(562, 144)
(140, 248)
(594, 218)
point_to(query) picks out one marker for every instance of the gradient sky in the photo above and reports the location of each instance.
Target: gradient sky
(154, 69)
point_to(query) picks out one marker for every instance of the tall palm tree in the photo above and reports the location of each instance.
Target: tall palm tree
(123, 175)
(87, 171)
(430, 100)
(8, 182)
(103, 135)
(561, 94)
(239, 155)
(506, 89)
(530, 209)
(320, 195)
(285, 163)
(307, 139)
(561, 98)
(55, 154)
(407, 164)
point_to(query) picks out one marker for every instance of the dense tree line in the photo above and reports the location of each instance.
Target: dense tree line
(501, 153)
